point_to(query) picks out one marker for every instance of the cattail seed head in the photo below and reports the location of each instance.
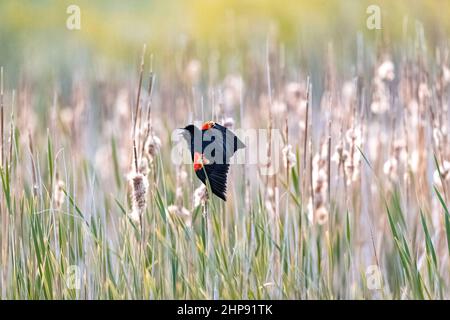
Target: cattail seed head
(321, 215)
(58, 194)
(200, 196)
(289, 158)
(152, 147)
(380, 97)
(390, 169)
(318, 212)
(183, 175)
(139, 186)
(353, 161)
(386, 70)
(295, 96)
(278, 107)
(340, 154)
(228, 123)
(193, 71)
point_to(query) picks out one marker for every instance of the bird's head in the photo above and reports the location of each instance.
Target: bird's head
(188, 132)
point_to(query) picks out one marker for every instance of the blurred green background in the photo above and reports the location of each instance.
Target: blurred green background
(34, 37)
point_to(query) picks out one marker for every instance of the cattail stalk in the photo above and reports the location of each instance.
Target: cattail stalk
(33, 167)
(269, 92)
(138, 97)
(11, 138)
(305, 140)
(11, 131)
(329, 157)
(287, 164)
(148, 129)
(311, 176)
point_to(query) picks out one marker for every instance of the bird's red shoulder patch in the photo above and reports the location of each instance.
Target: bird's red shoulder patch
(208, 125)
(199, 161)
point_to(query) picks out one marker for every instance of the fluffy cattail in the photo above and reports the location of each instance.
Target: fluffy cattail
(139, 186)
(289, 158)
(319, 171)
(348, 93)
(320, 185)
(193, 71)
(200, 196)
(398, 156)
(178, 193)
(58, 194)
(278, 107)
(353, 161)
(413, 112)
(380, 98)
(182, 175)
(423, 93)
(228, 123)
(340, 155)
(390, 169)
(295, 96)
(414, 161)
(321, 215)
(386, 70)
(66, 116)
(152, 147)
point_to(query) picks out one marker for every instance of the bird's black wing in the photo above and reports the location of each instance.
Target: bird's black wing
(216, 175)
(220, 141)
(233, 142)
(218, 146)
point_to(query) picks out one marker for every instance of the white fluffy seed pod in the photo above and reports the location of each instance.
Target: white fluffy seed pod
(58, 194)
(289, 158)
(200, 196)
(139, 186)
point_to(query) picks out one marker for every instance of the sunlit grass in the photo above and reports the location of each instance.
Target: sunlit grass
(360, 212)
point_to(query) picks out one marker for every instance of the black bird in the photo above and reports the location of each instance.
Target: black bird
(211, 148)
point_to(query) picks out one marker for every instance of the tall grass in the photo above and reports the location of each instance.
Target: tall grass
(354, 214)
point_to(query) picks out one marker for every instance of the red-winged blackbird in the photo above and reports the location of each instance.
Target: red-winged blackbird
(211, 148)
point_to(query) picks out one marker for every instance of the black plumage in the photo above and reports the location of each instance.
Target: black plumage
(211, 148)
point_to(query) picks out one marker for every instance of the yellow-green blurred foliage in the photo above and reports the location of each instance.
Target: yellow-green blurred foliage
(34, 34)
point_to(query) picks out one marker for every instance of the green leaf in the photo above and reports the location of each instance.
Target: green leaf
(446, 217)
(428, 243)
